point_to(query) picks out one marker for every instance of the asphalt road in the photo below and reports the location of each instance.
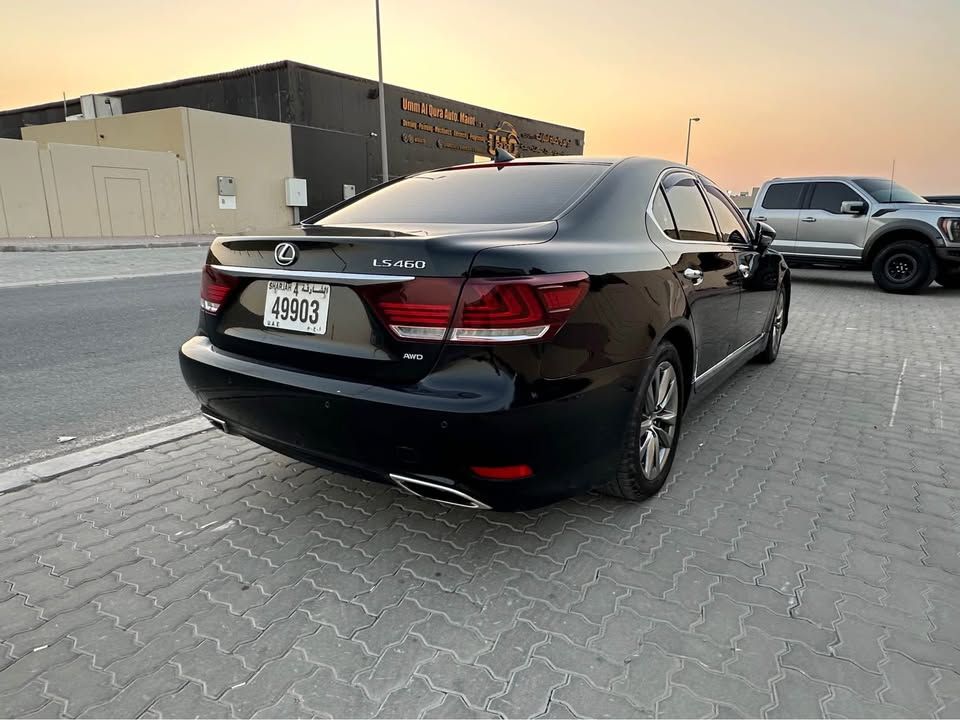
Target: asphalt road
(91, 359)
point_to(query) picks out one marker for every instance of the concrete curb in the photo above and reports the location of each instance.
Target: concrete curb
(95, 278)
(69, 247)
(54, 467)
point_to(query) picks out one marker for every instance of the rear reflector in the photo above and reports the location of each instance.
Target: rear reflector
(490, 310)
(214, 288)
(503, 472)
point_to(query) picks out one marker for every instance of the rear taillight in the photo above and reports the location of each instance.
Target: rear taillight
(490, 310)
(214, 288)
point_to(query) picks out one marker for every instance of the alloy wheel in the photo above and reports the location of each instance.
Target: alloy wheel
(901, 267)
(777, 329)
(658, 420)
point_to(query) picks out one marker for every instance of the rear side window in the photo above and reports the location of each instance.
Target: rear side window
(732, 228)
(486, 194)
(783, 196)
(828, 196)
(661, 213)
(689, 209)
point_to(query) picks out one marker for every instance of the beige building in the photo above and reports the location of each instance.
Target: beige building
(177, 171)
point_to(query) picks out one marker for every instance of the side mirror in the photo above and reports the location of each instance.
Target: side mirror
(765, 235)
(853, 207)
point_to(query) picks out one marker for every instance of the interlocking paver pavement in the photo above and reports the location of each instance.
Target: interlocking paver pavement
(801, 561)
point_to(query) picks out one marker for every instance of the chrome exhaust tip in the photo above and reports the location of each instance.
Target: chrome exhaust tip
(215, 421)
(438, 493)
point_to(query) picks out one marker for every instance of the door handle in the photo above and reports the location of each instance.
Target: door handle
(693, 274)
(744, 269)
(761, 218)
(808, 219)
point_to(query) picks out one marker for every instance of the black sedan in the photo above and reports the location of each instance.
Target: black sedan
(494, 335)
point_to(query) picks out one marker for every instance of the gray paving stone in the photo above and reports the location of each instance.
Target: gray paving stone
(282, 604)
(138, 695)
(269, 684)
(833, 671)
(170, 619)
(797, 696)
(16, 675)
(647, 680)
(276, 640)
(529, 690)
(49, 632)
(23, 701)
(587, 701)
(214, 671)
(391, 627)
(682, 703)
(152, 655)
(79, 684)
(512, 649)
(345, 657)
(189, 701)
(564, 655)
(473, 682)
(394, 668)
(222, 626)
(463, 642)
(721, 688)
(909, 685)
(844, 703)
(105, 642)
(411, 700)
(127, 606)
(453, 706)
(286, 707)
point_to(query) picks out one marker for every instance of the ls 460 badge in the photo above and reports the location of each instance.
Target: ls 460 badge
(405, 264)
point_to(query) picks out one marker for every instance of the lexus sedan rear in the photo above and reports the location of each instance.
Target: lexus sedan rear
(495, 335)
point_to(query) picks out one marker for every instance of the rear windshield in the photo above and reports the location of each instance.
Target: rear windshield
(494, 194)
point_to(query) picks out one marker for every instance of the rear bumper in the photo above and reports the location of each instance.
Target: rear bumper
(571, 438)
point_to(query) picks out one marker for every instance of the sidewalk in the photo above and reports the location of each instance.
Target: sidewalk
(101, 243)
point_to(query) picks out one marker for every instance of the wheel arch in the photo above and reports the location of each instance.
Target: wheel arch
(903, 230)
(679, 333)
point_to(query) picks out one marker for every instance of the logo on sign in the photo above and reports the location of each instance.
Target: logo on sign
(285, 253)
(505, 137)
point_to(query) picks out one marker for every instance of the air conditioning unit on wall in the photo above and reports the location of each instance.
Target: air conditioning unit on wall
(98, 106)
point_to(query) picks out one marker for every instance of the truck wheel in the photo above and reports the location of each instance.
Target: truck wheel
(949, 279)
(904, 266)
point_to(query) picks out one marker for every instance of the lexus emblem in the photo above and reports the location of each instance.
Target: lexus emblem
(285, 253)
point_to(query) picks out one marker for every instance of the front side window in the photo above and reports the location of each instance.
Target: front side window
(827, 196)
(508, 193)
(783, 196)
(689, 208)
(729, 219)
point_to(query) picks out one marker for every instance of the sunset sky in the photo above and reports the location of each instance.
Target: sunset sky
(783, 87)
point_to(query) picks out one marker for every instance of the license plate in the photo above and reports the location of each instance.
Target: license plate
(297, 306)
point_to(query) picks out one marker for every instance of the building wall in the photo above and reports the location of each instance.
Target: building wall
(115, 192)
(23, 208)
(257, 153)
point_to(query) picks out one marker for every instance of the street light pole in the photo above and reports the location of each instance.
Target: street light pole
(690, 122)
(383, 113)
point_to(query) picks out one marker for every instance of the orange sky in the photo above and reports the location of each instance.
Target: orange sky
(783, 87)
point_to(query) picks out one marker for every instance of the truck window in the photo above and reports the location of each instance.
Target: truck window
(827, 196)
(783, 196)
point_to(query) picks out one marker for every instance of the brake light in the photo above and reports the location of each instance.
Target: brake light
(214, 288)
(490, 310)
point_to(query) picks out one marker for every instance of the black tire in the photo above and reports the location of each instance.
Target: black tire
(904, 266)
(949, 279)
(778, 323)
(632, 481)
